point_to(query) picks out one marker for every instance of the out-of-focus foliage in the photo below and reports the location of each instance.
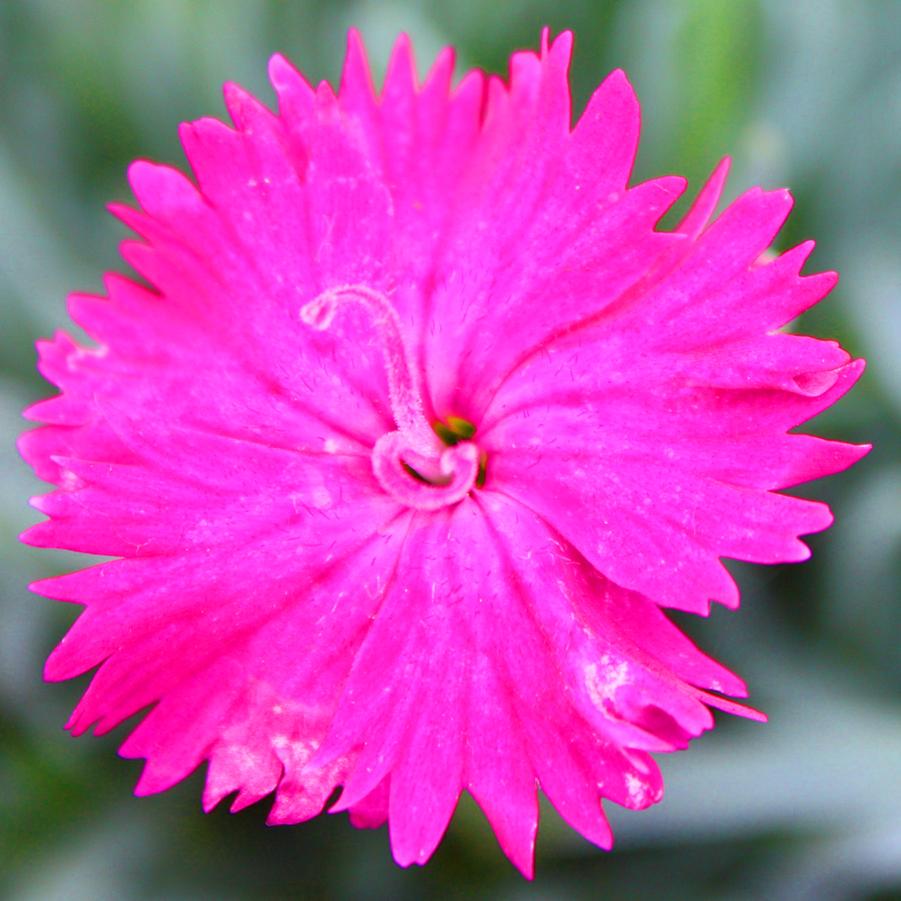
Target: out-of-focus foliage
(805, 94)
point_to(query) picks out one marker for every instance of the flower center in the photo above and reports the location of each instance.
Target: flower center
(422, 466)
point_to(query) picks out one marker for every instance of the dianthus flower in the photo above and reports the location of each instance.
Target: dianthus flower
(418, 426)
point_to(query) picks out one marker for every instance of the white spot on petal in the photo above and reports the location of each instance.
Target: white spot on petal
(604, 679)
(637, 790)
(68, 481)
(321, 497)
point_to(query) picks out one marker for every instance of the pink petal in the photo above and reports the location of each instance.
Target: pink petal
(628, 461)
(696, 219)
(504, 627)
(605, 140)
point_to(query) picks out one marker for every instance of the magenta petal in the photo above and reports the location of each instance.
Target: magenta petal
(696, 219)
(499, 773)
(605, 140)
(372, 811)
(427, 779)
(505, 627)
(664, 460)
(631, 536)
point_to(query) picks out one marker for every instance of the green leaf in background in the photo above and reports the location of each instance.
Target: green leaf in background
(716, 48)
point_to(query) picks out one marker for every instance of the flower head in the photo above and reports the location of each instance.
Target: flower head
(419, 426)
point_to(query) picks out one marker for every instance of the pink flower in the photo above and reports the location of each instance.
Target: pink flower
(418, 428)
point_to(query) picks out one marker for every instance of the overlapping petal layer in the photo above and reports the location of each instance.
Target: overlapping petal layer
(302, 630)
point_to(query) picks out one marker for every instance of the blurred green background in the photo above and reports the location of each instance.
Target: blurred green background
(805, 94)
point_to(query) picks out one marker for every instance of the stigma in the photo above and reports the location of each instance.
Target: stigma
(422, 465)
